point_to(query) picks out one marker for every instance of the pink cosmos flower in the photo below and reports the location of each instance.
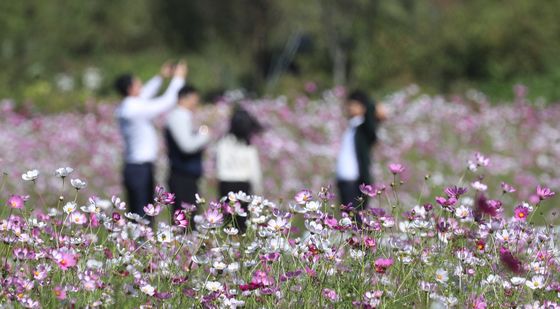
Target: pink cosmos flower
(16, 201)
(368, 190)
(152, 210)
(479, 303)
(303, 196)
(506, 188)
(381, 265)
(65, 260)
(370, 243)
(330, 295)
(78, 218)
(261, 278)
(544, 193)
(521, 213)
(396, 168)
(180, 218)
(59, 292)
(213, 217)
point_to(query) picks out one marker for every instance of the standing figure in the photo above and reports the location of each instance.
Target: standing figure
(185, 147)
(238, 163)
(354, 159)
(135, 114)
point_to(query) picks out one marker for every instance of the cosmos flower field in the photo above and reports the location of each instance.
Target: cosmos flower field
(463, 212)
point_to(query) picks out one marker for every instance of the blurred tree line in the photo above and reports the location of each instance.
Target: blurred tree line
(58, 52)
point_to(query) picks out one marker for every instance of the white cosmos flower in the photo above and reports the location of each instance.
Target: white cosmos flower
(78, 183)
(30, 175)
(441, 275)
(314, 227)
(345, 222)
(148, 289)
(165, 237)
(70, 207)
(213, 286)
(518, 280)
(313, 206)
(63, 172)
(244, 197)
(537, 282)
(91, 208)
(462, 212)
(219, 265)
(231, 230)
(94, 264)
(479, 186)
(118, 203)
(233, 267)
(278, 224)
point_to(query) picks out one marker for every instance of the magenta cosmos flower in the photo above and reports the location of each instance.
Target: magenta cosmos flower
(396, 168)
(381, 265)
(16, 201)
(544, 193)
(521, 213)
(180, 218)
(510, 261)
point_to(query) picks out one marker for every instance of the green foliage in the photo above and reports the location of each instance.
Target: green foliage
(379, 45)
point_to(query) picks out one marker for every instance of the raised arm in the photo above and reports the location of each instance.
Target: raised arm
(181, 130)
(151, 88)
(151, 108)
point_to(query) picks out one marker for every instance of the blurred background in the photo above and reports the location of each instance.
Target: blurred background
(57, 54)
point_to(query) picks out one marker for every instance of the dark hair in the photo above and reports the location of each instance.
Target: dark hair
(186, 90)
(370, 118)
(243, 125)
(360, 97)
(123, 83)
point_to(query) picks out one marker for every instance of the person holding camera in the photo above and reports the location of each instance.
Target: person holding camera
(140, 105)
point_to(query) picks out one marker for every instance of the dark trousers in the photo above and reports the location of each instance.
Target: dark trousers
(139, 185)
(235, 186)
(185, 188)
(349, 192)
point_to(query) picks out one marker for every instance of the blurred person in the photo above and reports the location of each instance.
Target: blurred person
(238, 164)
(185, 147)
(135, 114)
(354, 158)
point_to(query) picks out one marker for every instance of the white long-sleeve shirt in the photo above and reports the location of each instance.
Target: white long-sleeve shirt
(135, 115)
(179, 123)
(237, 161)
(347, 162)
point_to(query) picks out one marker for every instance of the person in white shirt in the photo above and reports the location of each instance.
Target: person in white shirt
(139, 106)
(238, 164)
(354, 159)
(185, 148)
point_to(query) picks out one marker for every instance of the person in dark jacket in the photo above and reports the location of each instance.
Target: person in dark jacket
(185, 147)
(354, 159)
